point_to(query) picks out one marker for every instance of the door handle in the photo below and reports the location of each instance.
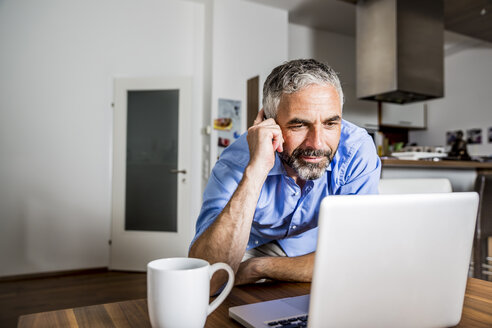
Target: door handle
(176, 171)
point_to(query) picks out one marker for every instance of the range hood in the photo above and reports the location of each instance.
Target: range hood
(400, 50)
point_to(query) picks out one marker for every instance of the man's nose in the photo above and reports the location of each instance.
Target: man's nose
(313, 139)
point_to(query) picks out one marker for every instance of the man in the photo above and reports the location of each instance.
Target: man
(260, 207)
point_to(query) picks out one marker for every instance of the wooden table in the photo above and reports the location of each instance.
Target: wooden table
(477, 310)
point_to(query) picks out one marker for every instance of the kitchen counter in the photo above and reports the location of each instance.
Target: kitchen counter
(462, 174)
(436, 164)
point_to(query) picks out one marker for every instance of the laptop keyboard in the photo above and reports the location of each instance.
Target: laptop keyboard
(299, 321)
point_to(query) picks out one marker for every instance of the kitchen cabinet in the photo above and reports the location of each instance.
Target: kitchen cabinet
(412, 116)
(362, 113)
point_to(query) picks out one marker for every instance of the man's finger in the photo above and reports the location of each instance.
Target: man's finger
(260, 117)
(278, 142)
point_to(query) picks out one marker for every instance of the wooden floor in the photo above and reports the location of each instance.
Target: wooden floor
(31, 295)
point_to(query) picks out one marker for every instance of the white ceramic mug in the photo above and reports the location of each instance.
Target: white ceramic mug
(178, 291)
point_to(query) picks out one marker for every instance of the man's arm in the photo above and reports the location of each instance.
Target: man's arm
(299, 269)
(226, 239)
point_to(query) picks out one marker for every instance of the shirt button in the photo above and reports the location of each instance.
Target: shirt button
(294, 227)
(296, 193)
(256, 242)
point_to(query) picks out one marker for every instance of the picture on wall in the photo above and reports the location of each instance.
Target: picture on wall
(228, 123)
(474, 136)
(490, 134)
(450, 137)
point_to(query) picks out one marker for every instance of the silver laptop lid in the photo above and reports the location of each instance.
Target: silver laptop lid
(392, 260)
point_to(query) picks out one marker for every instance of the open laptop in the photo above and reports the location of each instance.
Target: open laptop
(382, 261)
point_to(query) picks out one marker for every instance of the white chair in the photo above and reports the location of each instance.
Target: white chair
(414, 186)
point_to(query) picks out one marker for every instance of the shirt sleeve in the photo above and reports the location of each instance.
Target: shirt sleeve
(222, 183)
(360, 174)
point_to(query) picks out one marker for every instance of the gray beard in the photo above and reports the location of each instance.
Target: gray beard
(305, 170)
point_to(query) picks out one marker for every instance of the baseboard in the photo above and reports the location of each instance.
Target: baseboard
(53, 274)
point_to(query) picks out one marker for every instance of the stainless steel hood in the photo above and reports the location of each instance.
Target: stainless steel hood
(400, 50)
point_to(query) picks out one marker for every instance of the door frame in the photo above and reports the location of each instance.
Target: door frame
(132, 250)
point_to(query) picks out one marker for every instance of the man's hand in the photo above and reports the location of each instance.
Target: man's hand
(283, 268)
(264, 139)
(248, 272)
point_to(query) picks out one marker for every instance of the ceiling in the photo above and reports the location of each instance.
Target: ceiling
(469, 17)
(332, 15)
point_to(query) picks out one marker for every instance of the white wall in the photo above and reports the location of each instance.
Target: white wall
(249, 39)
(57, 64)
(467, 102)
(338, 51)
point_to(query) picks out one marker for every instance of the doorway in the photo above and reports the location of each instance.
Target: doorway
(151, 157)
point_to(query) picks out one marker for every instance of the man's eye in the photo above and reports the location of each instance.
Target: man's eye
(330, 124)
(297, 126)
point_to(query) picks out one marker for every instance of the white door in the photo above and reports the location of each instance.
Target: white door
(151, 145)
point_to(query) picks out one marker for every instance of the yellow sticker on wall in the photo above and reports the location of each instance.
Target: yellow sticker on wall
(223, 124)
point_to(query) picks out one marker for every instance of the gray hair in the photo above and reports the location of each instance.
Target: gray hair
(294, 75)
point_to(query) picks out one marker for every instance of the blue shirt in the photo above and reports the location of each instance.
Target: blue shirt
(284, 212)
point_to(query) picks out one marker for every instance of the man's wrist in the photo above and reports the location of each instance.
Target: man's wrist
(258, 267)
(256, 172)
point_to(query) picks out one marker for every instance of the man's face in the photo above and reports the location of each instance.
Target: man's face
(310, 120)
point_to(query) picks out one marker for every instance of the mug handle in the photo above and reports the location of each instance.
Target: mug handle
(230, 282)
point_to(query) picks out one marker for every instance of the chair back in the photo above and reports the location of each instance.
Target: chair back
(482, 253)
(414, 186)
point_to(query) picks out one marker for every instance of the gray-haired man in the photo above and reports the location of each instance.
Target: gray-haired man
(263, 196)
